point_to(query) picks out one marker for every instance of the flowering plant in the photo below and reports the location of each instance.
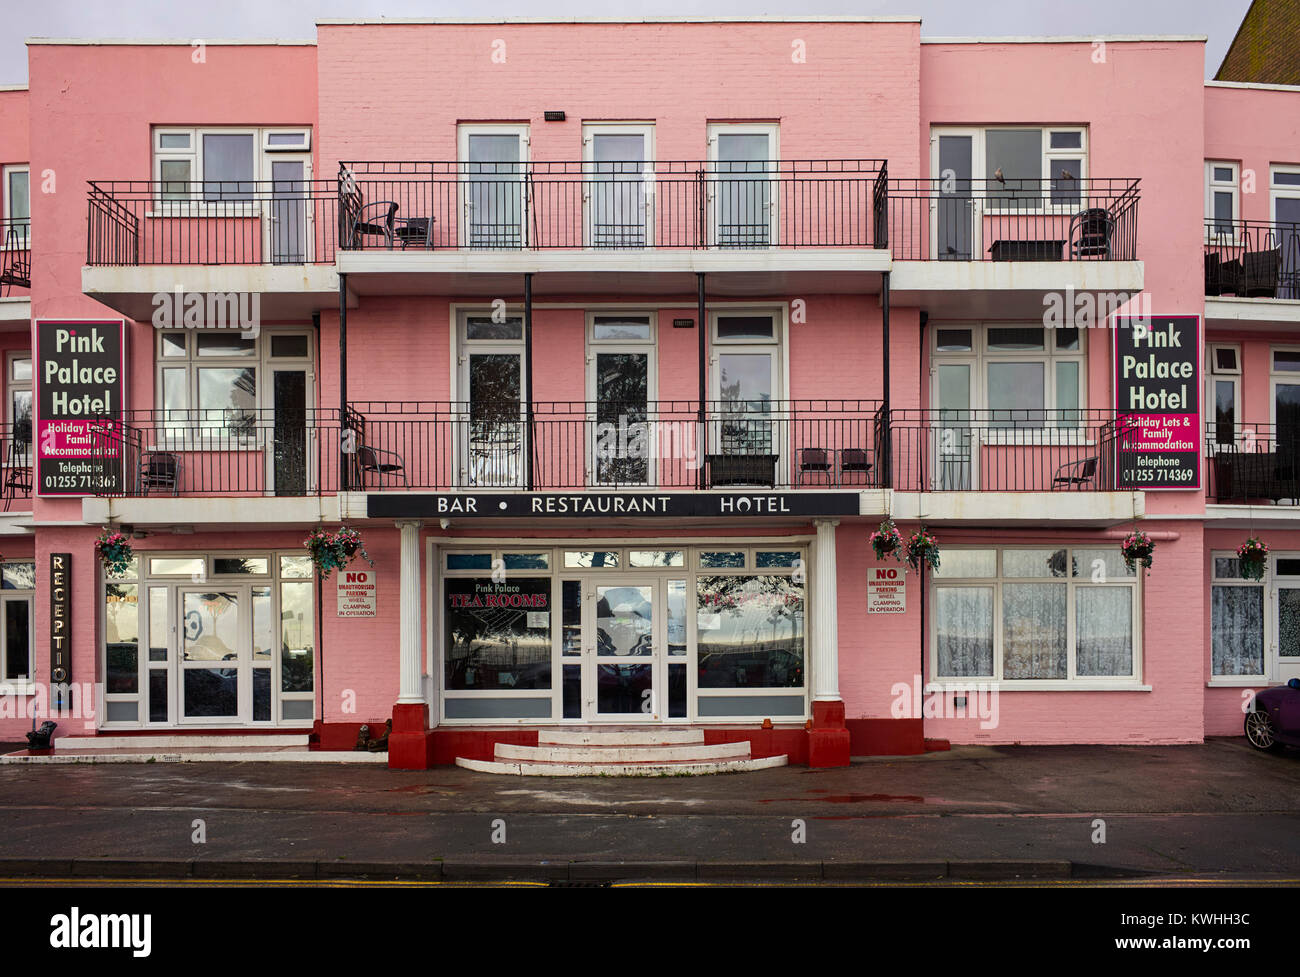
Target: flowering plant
(333, 551)
(114, 551)
(1252, 558)
(922, 547)
(1137, 549)
(886, 540)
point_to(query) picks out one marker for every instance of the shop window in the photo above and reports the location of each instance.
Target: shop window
(1034, 615)
(498, 634)
(749, 631)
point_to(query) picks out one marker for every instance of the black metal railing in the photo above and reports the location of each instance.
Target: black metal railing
(1062, 219)
(16, 466)
(227, 451)
(1007, 450)
(575, 445)
(613, 205)
(16, 256)
(1253, 462)
(254, 222)
(1252, 259)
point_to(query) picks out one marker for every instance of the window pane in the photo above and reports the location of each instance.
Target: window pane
(965, 564)
(1013, 338)
(289, 346)
(749, 631)
(656, 558)
(1237, 630)
(1227, 568)
(776, 558)
(263, 633)
(526, 561)
(176, 179)
(20, 204)
(1103, 627)
(1033, 563)
(571, 635)
(719, 560)
(745, 327)
(256, 565)
(18, 639)
(588, 558)
(1017, 390)
(1066, 140)
(173, 344)
(483, 327)
(1223, 174)
(295, 566)
(1102, 564)
(1225, 411)
(1066, 340)
(964, 630)
(174, 140)
(469, 561)
(1066, 180)
(677, 617)
(953, 340)
(1067, 394)
(498, 635)
(286, 139)
(227, 167)
(620, 327)
(163, 566)
(296, 641)
(1222, 209)
(21, 415)
(122, 637)
(228, 397)
(1286, 360)
(19, 576)
(1286, 179)
(224, 344)
(158, 630)
(1018, 155)
(1033, 631)
(20, 368)
(1225, 359)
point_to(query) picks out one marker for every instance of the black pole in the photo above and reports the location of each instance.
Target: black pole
(528, 369)
(702, 326)
(344, 471)
(886, 466)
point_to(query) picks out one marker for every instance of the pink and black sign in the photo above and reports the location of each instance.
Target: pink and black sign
(1158, 402)
(80, 395)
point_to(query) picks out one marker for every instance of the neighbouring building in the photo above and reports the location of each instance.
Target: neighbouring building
(616, 341)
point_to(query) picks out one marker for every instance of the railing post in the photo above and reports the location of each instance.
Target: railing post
(702, 437)
(528, 378)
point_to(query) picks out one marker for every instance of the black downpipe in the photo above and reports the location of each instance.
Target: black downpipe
(920, 385)
(528, 373)
(886, 463)
(344, 467)
(702, 326)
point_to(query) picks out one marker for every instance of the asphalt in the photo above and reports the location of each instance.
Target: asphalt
(1218, 811)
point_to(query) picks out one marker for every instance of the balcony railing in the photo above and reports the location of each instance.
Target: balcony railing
(255, 222)
(630, 205)
(1003, 450)
(1252, 259)
(1253, 462)
(1061, 219)
(16, 466)
(16, 257)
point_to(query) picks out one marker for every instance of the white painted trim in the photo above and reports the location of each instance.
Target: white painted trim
(1238, 682)
(686, 19)
(13, 88)
(1068, 39)
(163, 42)
(1029, 685)
(1253, 86)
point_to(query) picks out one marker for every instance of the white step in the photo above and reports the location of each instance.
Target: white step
(167, 741)
(671, 753)
(234, 756)
(619, 736)
(619, 769)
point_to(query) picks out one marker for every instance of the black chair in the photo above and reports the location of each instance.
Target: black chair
(18, 473)
(1260, 271)
(415, 232)
(1075, 474)
(15, 261)
(853, 461)
(370, 461)
(360, 220)
(1090, 233)
(814, 461)
(160, 469)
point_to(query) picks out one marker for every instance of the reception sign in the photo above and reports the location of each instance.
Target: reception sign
(1158, 402)
(80, 394)
(603, 505)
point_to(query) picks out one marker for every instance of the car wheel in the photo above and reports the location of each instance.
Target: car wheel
(1261, 731)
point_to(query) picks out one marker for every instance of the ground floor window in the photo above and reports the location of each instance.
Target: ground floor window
(1035, 614)
(624, 633)
(223, 639)
(1255, 624)
(17, 591)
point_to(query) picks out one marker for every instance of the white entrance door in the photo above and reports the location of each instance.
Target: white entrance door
(953, 440)
(1286, 640)
(214, 654)
(954, 210)
(623, 659)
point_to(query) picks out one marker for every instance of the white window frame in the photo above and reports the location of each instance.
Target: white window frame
(1073, 682)
(1213, 186)
(773, 132)
(7, 212)
(1269, 595)
(979, 159)
(464, 346)
(22, 685)
(463, 133)
(649, 347)
(590, 130)
(1214, 374)
(195, 205)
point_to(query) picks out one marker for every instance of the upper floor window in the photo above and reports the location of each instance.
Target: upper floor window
(1284, 187)
(220, 164)
(494, 162)
(1018, 168)
(744, 159)
(1221, 200)
(17, 206)
(619, 162)
(1224, 393)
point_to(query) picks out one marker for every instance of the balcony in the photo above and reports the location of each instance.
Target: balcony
(638, 226)
(15, 469)
(274, 238)
(994, 247)
(1252, 272)
(15, 274)
(1253, 464)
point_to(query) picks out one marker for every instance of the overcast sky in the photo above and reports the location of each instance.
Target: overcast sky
(295, 19)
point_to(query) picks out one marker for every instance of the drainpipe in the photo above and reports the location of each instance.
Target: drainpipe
(343, 379)
(528, 371)
(886, 470)
(702, 325)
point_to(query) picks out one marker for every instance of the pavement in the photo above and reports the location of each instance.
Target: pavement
(1217, 811)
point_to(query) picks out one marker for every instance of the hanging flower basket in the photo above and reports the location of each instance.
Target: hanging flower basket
(333, 551)
(886, 541)
(1252, 558)
(114, 551)
(1137, 549)
(922, 548)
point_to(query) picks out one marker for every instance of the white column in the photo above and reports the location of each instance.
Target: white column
(825, 630)
(410, 690)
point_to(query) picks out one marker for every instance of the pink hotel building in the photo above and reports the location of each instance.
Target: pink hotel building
(616, 341)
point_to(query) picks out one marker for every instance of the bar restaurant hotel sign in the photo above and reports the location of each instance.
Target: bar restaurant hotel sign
(604, 505)
(80, 394)
(1158, 402)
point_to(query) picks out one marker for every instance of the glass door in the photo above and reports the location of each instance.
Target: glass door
(954, 214)
(619, 179)
(290, 232)
(494, 434)
(953, 440)
(743, 186)
(624, 653)
(289, 453)
(1286, 220)
(214, 654)
(493, 171)
(620, 382)
(1287, 644)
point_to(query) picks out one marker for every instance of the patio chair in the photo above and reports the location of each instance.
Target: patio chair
(415, 232)
(372, 461)
(1090, 233)
(853, 461)
(814, 461)
(1075, 474)
(160, 469)
(18, 473)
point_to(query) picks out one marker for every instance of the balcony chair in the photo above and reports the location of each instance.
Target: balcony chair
(814, 461)
(15, 262)
(415, 232)
(853, 461)
(371, 461)
(160, 469)
(361, 220)
(18, 473)
(1090, 233)
(1076, 474)
(1260, 271)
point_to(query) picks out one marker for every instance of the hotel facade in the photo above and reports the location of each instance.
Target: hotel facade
(616, 341)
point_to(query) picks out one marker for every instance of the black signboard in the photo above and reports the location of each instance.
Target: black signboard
(612, 505)
(60, 618)
(81, 443)
(1158, 402)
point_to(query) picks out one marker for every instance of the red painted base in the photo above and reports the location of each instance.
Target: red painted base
(778, 741)
(886, 737)
(828, 740)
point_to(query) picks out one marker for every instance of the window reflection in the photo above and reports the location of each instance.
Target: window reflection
(750, 631)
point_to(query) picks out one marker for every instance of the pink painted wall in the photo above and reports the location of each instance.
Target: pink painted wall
(1255, 128)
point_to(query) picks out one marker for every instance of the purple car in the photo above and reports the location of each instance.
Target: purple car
(1275, 720)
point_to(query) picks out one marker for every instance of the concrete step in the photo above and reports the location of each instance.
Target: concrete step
(619, 736)
(199, 754)
(169, 741)
(652, 769)
(670, 753)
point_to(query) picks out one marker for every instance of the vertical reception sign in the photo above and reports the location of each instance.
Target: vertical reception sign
(80, 395)
(60, 618)
(1158, 402)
